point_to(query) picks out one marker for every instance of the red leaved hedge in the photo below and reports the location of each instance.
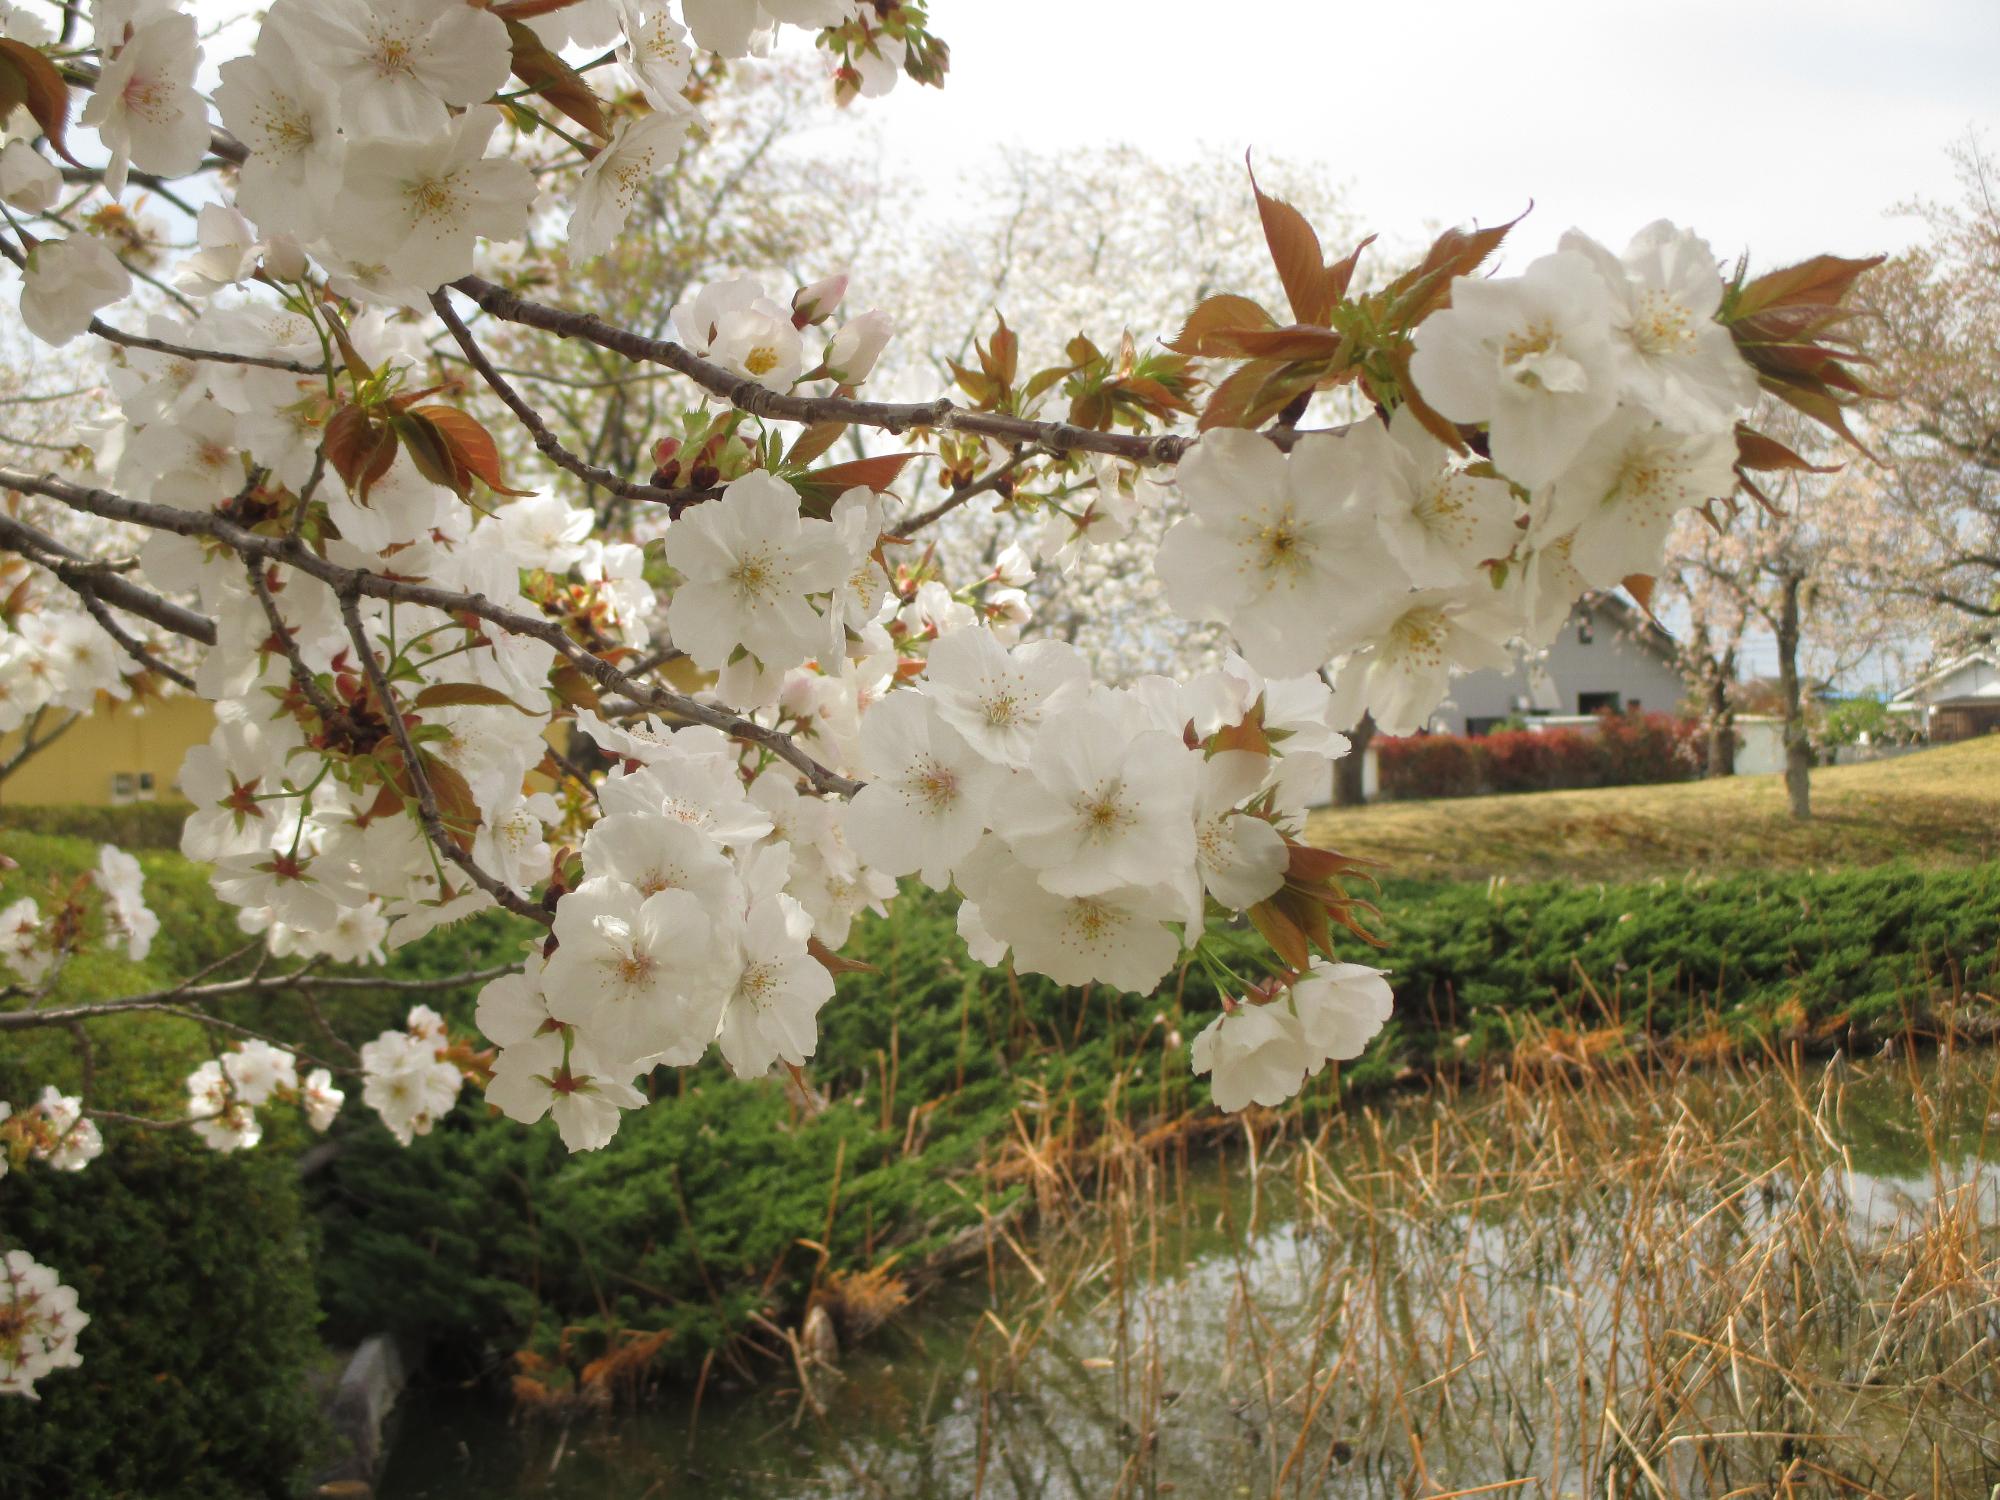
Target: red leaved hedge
(1624, 750)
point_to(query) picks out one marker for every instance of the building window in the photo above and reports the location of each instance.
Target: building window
(1584, 633)
(1483, 724)
(1597, 703)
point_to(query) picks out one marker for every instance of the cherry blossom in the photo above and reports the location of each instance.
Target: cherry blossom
(39, 1324)
(1275, 545)
(67, 283)
(640, 149)
(395, 64)
(417, 206)
(769, 1015)
(1531, 355)
(544, 1075)
(145, 108)
(1254, 1054)
(748, 561)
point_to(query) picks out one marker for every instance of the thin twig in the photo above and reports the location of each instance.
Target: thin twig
(538, 429)
(427, 805)
(257, 984)
(302, 675)
(984, 485)
(295, 554)
(71, 566)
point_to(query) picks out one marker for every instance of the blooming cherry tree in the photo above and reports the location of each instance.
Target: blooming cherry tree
(686, 736)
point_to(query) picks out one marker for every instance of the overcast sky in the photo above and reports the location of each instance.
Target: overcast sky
(1787, 126)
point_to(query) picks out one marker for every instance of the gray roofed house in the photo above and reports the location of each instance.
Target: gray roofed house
(1608, 655)
(1959, 700)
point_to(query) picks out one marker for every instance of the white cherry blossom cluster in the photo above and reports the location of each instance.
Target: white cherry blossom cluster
(54, 1130)
(34, 944)
(373, 149)
(736, 325)
(39, 1317)
(1609, 395)
(39, 1322)
(56, 658)
(1262, 1050)
(225, 1093)
(407, 1078)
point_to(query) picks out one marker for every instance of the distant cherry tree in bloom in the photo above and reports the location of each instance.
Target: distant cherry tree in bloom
(691, 749)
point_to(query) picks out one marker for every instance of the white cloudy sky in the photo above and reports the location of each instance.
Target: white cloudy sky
(1787, 126)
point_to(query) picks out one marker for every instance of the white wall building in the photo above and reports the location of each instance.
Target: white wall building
(1607, 656)
(1958, 701)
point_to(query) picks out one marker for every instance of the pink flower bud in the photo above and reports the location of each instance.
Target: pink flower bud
(817, 303)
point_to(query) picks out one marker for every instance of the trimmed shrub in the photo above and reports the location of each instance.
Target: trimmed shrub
(135, 826)
(195, 1271)
(1625, 750)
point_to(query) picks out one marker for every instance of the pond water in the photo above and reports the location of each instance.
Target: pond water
(1667, 1288)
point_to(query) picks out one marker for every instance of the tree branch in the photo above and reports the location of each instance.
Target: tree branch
(538, 429)
(294, 553)
(427, 805)
(187, 995)
(984, 485)
(747, 395)
(79, 572)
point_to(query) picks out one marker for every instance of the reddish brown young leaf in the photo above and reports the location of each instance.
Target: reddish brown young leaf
(465, 695)
(1151, 394)
(1295, 251)
(426, 447)
(1223, 314)
(815, 441)
(1232, 403)
(527, 10)
(1295, 342)
(1000, 357)
(471, 446)
(834, 963)
(1824, 279)
(456, 805)
(1640, 587)
(1815, 401)
(874, 473)
(359, 448)
(555, 80)
(572, 687)
(29, 80)
(1423, 289)
(1284, 936)
(1754, 450)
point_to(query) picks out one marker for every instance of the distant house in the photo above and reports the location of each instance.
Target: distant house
(1608, 656)
(1958, 701)
(122, 752)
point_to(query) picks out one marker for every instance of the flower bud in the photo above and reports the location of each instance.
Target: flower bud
(817, 303)
(283, 259)
(858, 345)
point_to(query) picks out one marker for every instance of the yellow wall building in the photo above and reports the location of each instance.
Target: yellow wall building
(131, 753)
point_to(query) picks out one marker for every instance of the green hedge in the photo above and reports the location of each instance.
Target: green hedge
(135, 826)
(1868, 947)
(195, 1271)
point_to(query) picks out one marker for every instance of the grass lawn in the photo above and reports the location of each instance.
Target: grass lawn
(1939, 807)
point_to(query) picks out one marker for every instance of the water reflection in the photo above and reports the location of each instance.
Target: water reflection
(1659, 1288)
